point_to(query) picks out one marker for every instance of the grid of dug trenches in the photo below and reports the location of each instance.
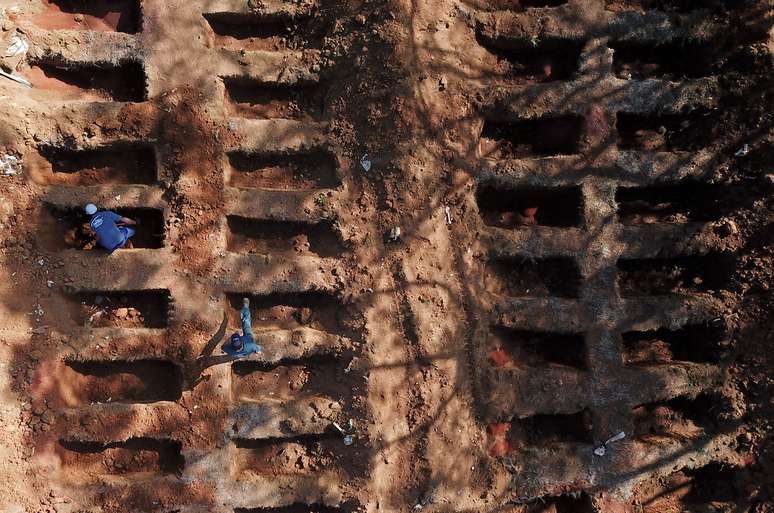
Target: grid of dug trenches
(139, 426)
(600, 245)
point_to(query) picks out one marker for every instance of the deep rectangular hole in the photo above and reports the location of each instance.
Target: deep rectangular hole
(679, 203)
(139, 381)
(520, 348)
(562, 504)
(285, 172)
(672, 61)
(550, 60)
(68, 227)
(119, 163)
(124, 82)
(292, 508)
(547, 430)
(251, 99)
(316, 310)
(679, 6)
(319, 376)
(638, 277)
(531, 137)
(713, 487)
(133, 456)
(522, 277)
(700, 343)
(665, 132)
(250, 32)
(681, 418)
(527, 206)
(304, 454)
(123, 309)
(266, 237)
(103, 16)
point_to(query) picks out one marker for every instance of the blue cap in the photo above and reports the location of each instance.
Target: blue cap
(91, 209)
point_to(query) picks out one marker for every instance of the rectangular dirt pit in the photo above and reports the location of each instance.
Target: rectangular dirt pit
(550, 60)
(123, 309)
(665, 132)
(547, 430)
(512, 348)
(675, 61)
(713, 487)
(316, 310)
(685, 202)
(125, 82)
(681, 418)
(299, 455)
(103, 16)
(140, 381)
(251, 99)
(131, 457)
(118, 163)
(68, 228)
(690, 274)
(542, 137)
(673, 6)
(699, 343)
(511, 208)
(320, 376)
(251, 32)
(266, 237)
(283, 172)
(523, 277)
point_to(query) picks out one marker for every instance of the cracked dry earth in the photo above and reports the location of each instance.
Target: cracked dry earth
(584, 195)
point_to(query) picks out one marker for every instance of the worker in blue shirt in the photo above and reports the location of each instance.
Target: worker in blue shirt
(239, 346)
(110, 228)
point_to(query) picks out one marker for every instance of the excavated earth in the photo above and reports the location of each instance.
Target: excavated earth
(502, 255)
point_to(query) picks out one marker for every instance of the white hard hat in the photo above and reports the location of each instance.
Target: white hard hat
(91, 209)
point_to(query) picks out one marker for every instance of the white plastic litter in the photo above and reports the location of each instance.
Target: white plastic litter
(18, 46)
(744, 150)
(349, 440)
(15, 78)
(447, 213)
(9, 165)
(602, 449)
(365, 161)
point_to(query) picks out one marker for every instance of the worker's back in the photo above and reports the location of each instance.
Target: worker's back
(104, 226)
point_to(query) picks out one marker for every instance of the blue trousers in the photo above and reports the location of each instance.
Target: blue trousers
(247, 322)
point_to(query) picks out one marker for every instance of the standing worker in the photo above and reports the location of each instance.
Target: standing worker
(245, 345)
(110, 228)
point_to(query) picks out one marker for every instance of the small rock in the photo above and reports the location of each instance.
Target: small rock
(78, 18)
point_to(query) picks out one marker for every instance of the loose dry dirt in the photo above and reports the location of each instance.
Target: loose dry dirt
(586, 248)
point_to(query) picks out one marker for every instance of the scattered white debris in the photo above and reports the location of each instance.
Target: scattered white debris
(338, 428)
(744, 150)
(9, 165)
(602, 449)
(394, 234)
(18, 46)
(349, 440)
(365, 161)
(38, 311)
(447, 213)
(49, 283)
(15, 78)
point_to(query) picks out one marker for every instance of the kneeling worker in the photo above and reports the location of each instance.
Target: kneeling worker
(110, 228)
(245, 345)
